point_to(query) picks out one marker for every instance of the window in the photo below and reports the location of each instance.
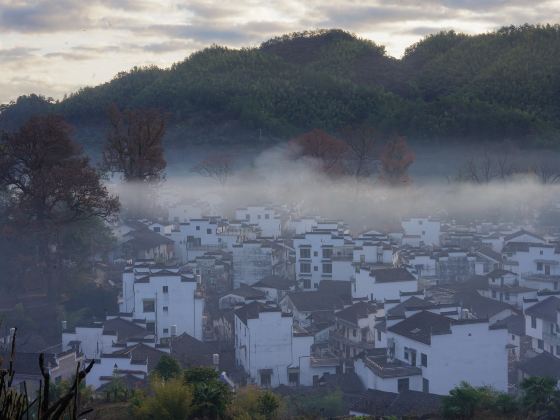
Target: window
(166, 330)
(327, 252)
(247, 217)
(259, 217)
(540, 344)
(557, 350)
(157, 229)
(507, 295)
(378, 335)
(165, 289)
(533, 322)
(327, 268)
(198, 228)
(266, 376)
(148, 305)
(493, 294)
(305, 267)
(209, 231)
(267, 216)
(403, 384)
(304, 253)
(150, 327)
(306, 283)
(420, 222)
(512, 337)
(315, 254)
(166, 309)
(425, 385)
(539, 266)
(354, 332)
(315, 268)
(424, 359)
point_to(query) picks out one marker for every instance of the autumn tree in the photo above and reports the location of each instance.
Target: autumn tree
(135, 144)
(396, 157)
(328, 151)
(51, 188)
(218, 167)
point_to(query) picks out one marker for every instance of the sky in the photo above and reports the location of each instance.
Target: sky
(54, 47)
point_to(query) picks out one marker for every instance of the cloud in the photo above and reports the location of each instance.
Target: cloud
(44, 16)
(17, 53)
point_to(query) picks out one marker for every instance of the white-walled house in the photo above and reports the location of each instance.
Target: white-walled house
(542, 324)
(272, 351)
(526, 259)
(433, 353)
(170, 302)
(382, 284)
(266, 218)
(314, 256)
(354, 329)
(426, 230)
(253, 261)
(195, 237)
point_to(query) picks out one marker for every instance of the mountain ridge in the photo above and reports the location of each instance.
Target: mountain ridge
(495, 86)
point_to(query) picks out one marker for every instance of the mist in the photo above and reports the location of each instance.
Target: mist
(271, 177)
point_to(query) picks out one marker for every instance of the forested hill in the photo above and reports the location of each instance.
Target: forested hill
(494, 86)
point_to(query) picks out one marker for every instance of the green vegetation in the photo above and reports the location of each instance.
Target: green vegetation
(493, 86)
(539, 398)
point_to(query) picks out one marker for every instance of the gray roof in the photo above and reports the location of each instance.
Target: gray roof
(546, 309)
(515, 324)
(356, 311)
(316, 301)
(275, 282)
(544, 364)
(422, 325)
(388, 275)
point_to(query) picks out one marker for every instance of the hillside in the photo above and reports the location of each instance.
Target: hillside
(449, 86)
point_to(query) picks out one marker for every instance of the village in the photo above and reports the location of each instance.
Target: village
(286, 301)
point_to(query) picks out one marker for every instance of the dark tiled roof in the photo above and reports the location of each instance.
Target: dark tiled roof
(520, 233)
(515, 324)
(316, 301)
(480, 306)
(253, 309)
(189, 351)
(143, 352)
(129, 381)
(388, 275)
(247, 292)
(422, 325)
(407, 403)
(544, 364)
(275, 282)
(546, 309)
(356, 311)
(340, 288)
(413, 303)
(124, 329)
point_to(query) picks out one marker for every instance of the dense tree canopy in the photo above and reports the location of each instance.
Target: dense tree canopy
(492, 86)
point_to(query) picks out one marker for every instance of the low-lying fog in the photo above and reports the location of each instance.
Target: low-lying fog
(269, 177)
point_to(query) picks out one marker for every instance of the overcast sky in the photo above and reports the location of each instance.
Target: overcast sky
(57, 46)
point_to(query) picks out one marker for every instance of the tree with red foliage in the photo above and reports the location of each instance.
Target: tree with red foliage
(218, 167)
(328, 151)
(48, 185)
(135, 144)
(396, 157)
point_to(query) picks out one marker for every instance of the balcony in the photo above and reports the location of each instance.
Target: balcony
(340, 338)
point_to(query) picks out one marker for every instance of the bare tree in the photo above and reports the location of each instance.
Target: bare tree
(135, 144)
(396, 157)
(362, 143)
(218, 167)
(328, 151)
(489, 166)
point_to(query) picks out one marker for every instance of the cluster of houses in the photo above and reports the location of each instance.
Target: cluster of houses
(282, 301)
